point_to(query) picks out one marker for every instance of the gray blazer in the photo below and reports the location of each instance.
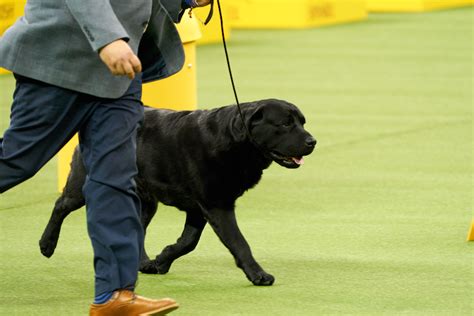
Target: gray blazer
(57, 42)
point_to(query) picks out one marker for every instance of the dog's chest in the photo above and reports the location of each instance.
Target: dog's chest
(217, 186)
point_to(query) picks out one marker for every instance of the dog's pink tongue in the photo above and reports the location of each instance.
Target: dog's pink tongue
(298, 161)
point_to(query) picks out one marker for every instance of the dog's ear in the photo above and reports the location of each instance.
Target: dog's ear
(252, 116)
(255, 117)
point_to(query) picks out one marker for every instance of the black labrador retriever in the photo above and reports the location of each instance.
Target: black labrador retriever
(201, 162)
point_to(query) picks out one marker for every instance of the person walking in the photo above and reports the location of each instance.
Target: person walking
(79, 66)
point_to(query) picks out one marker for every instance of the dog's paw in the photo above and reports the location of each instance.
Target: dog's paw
(263, 279)
(47, 247)
(162, 266)
(148, 267)
(154, 267)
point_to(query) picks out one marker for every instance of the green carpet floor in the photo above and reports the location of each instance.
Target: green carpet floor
(374, 223)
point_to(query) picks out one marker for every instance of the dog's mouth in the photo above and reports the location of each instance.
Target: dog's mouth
(287, 161)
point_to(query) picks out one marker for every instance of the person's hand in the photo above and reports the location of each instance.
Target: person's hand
(120, 59)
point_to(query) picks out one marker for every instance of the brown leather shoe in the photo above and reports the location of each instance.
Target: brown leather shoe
(126, 303)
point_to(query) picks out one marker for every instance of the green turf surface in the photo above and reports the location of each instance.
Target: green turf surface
(374, 223)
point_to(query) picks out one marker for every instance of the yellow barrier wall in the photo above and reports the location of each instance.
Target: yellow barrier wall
(294, 14)
(177, 92)
(414, 5)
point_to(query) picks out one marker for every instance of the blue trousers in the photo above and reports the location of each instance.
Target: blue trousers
(43, 119)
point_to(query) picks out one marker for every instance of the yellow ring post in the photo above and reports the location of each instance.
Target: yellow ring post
(178, 92)
(470, 235)
(211, 33)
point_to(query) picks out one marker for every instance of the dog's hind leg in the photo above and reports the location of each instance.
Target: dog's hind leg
(70, 200)
(188, 241)
(148, 210)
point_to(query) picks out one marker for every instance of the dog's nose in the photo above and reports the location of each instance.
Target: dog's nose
(310, 141)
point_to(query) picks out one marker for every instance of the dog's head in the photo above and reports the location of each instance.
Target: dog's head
(277, 127)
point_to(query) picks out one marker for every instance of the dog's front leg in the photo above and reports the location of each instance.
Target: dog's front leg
(224, 223)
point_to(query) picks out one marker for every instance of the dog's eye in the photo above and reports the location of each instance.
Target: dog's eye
(287, 124)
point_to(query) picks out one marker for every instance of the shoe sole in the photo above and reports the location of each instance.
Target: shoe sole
(162, 311)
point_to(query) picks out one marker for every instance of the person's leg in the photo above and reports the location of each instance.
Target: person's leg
(108, 146)
(108, 143)
(43, 118)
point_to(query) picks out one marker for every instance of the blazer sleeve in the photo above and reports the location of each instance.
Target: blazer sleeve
(98, 21)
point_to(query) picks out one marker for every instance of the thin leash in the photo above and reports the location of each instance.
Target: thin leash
(209, 16)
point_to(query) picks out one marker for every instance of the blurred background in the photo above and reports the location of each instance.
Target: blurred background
(376, 220)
